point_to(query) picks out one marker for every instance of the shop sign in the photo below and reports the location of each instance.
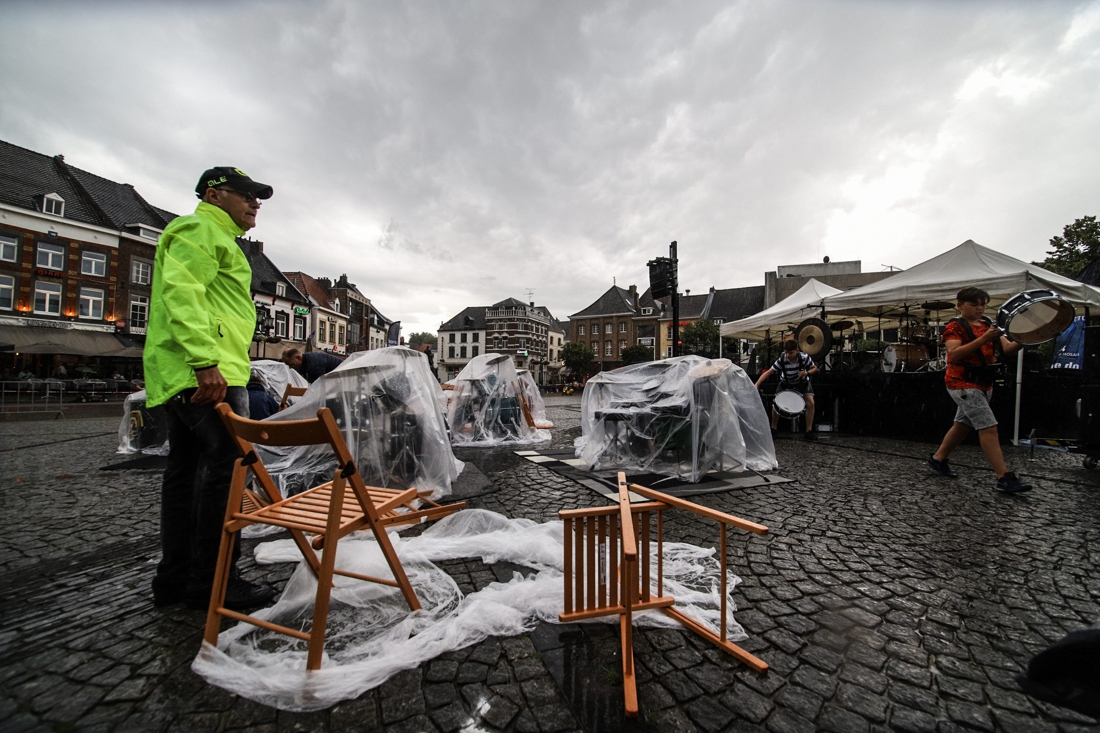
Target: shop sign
(299, 310)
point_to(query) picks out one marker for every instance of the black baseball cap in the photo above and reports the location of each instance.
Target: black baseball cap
(235, 178)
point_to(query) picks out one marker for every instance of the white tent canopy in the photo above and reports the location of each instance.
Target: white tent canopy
(942, 277)
(783, 316)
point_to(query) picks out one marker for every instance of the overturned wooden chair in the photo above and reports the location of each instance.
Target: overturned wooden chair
(317, 518)
(608, 571)
(291, 391)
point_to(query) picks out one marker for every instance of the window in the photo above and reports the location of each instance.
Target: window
(9, 249)
(450, 352)
(451, 339)
(94, 264)
(47, 298)
(320, 332)
(622, 326)
(299, 328)
(282, 320)
(595, 347)
(622, 345)
(647, 311)
(148, 233)
(607, 351)
(51, 256)
(462, 338)
(332, 332)
(580, 330)
(608, 328)
(91, 303)
(477, 338)
(668, 332)
(53, 204)
(668, 352)
(7, 292)
(139, 312)
(280, 290)
(462, 352)
(718, 321)
(141, 272)
(340, 336)
(474, 350)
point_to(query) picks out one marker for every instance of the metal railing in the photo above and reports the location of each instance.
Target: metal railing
(31, 396)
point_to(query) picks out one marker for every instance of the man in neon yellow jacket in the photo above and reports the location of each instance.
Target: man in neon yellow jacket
(201, 321)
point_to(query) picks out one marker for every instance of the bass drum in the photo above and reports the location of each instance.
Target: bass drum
(789, 403)
(1034, 316)
(910, 357)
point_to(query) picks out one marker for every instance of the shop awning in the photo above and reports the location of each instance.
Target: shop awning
(31, 340)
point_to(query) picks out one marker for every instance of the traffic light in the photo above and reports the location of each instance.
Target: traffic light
(662, 277)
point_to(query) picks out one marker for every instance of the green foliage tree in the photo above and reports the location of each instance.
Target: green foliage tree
(637, 354)
(424, 337)
(1075, 249)
(701, 338)
(577, 357)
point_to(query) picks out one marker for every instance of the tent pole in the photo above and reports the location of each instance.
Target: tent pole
(1019, 391)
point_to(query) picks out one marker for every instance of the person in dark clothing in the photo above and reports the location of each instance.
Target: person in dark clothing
(260, 403)
(313, 365)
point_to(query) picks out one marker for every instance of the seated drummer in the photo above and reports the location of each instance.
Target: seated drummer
(794, 369)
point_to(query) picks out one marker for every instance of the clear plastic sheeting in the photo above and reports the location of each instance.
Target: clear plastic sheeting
(678, 417)
(277, 376)
(533, 395)
(371, 635)
(488, 405)
(143, 429)
(387, 405)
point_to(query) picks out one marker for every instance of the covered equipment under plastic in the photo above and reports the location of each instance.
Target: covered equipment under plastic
(277, 376)
(143, 429)
(387, 405)
(488, 406)
(533, 398)
(678, 417)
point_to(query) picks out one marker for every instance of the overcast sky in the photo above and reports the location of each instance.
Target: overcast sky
(447, 154)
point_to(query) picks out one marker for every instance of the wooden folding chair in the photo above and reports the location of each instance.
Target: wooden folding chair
(291, 391)
(608, 571)
(325, 513)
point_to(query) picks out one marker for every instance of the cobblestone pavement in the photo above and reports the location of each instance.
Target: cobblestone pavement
(884, 598)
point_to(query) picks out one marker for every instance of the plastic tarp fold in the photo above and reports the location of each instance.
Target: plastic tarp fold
(277, 376)
(486, 405)
(533, 396)
(678, 417)
(388, 407)
(142, 429)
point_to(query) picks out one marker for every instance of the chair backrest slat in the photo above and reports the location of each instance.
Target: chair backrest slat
(311, 431)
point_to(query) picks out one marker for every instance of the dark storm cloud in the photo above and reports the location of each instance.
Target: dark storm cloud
(446, 155)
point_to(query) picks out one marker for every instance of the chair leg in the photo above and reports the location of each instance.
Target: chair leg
(396, 567)
(225, 557)
(324, 578)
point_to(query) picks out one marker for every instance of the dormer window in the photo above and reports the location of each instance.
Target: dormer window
(280, 290)
(148, 233)
(53, 204)
(647, 311)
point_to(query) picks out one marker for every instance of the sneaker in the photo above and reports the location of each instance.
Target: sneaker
(1011, 485)
(240, 595)
(941, 467)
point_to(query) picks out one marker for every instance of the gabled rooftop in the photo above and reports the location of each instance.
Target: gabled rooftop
(469, 319)
(265, 274)
(616, 301)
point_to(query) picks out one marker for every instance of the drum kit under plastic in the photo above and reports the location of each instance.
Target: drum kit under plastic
(1030, 318)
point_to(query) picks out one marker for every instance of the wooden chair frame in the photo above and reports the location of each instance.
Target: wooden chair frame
(595, 537)
(291, 391)
(325, 513)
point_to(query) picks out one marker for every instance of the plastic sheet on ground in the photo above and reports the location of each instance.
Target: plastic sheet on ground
(143, 429)
(678, 417)
(487, 405)
(388, 407)
(533, 395)
(371, 635)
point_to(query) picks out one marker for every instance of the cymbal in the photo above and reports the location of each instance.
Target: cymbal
(841, 325)
(937, 305)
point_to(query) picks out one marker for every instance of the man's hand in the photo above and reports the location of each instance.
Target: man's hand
(803, 373)
(212, 387)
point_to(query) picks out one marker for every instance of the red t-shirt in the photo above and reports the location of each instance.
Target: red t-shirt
(954, 332)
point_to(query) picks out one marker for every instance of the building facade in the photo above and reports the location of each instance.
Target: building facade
(460, 339)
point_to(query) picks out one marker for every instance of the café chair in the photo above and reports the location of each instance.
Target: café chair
(291, 391)
(608, 571)
(317, 518)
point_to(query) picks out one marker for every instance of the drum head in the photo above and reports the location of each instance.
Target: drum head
(889, 359)
(789, 403)
(1035, 316)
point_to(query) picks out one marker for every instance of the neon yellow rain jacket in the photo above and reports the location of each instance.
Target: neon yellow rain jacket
(201, 312)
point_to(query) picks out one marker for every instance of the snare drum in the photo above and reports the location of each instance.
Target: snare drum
(1034, 316)
(789, 403)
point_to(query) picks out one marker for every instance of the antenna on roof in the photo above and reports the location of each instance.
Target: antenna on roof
(530, 294)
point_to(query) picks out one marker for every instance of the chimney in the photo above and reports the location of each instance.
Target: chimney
(634, 296)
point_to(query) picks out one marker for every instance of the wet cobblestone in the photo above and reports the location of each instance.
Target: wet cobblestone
(884, 598)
